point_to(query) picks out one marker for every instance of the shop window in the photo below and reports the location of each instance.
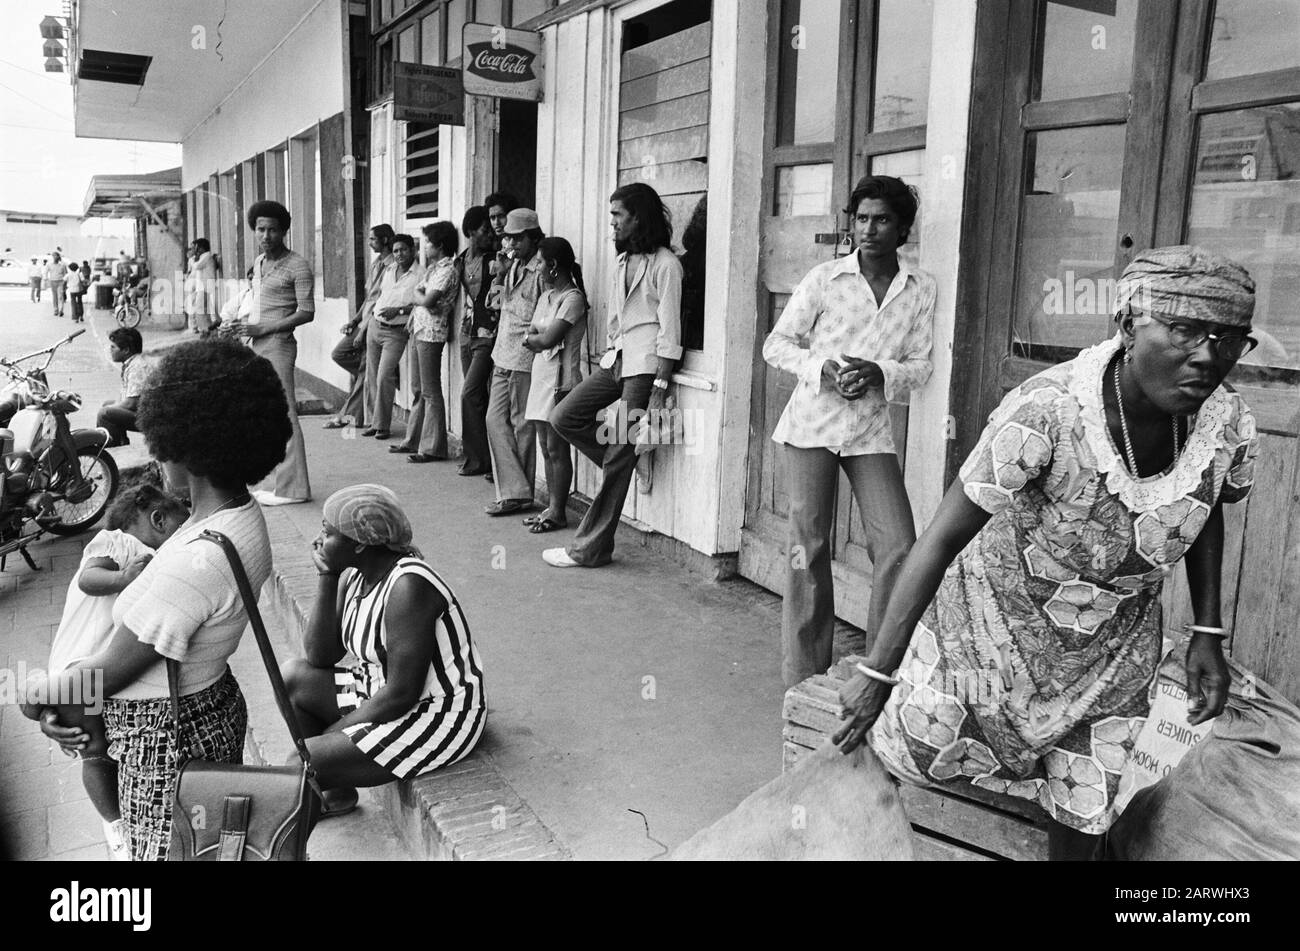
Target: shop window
(419, 171)
(807, 65)
(1086, 49)
(1067, 251)
(901, 91)
(383, 79)
(408, 45)
(1246, 205)
(1253, 36)
(910, 167)
(431, 39)
(803, 190)
(457, 15)
(664, 132)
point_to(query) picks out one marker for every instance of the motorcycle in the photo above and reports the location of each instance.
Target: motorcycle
(54, 479)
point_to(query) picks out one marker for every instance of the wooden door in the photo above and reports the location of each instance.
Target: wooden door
(1087, 153)
(810, 69)
(848, 85)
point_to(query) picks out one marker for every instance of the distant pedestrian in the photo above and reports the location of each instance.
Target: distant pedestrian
(510, 431)
(555, 339)
(410, 698)
(125, 346)
(283, 299)
(643, 346)
(201, 285)
(140, 520)
(56, 276)
(426, 433)
(350, 352)
(35, 277)
(478, 330)
(387, 335)
(76, 286)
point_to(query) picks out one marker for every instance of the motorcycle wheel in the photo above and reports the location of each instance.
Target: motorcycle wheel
(101, 469)
(128, 316)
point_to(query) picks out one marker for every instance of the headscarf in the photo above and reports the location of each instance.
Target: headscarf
(371, 515)
(1190, 283)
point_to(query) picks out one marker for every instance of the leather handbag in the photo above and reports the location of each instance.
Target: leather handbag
(226, 812)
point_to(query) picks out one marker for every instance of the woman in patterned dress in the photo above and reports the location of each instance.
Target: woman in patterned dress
(1025, 629)
(411, 698)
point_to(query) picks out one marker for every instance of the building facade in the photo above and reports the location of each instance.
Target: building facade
(1049, 141)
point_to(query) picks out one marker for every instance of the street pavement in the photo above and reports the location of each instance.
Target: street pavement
(629, 706)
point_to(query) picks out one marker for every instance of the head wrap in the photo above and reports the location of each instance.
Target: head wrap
(1190, 283)
(370, 515)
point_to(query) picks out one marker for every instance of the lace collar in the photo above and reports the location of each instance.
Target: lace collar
(1150, 492)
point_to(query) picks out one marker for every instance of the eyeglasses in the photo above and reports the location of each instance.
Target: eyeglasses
(1190, 334)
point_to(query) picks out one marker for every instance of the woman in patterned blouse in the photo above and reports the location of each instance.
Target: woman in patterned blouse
(856, 333)
(1025, 627)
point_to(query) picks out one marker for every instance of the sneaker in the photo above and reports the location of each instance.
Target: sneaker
(559, 558)
(270, 498)
(115, 837)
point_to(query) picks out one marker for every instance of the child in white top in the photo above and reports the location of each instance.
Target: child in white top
(142, 518)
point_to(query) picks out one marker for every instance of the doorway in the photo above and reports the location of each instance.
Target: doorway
(1100, 129)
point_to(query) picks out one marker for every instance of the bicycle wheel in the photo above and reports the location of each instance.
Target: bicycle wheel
(127, 316)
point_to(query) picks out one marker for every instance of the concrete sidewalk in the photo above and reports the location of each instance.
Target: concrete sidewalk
(614, 693)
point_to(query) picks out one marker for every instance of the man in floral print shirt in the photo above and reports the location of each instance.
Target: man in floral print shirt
(866, 321)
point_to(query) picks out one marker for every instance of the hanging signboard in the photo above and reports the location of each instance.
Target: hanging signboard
(502, 63)
(428, 94)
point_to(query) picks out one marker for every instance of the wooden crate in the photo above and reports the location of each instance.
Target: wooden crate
(966, 825)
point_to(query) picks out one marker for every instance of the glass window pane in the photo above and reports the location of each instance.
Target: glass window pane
(1087, 52)
(804, 190)
(488, 11)
(1069, 227)
(910, 167)
(431, 40)
(524, 10)
(406, 46)
(902, 89)
(1253, 36)
(1246, 205)
(455, 25)
(810, 55)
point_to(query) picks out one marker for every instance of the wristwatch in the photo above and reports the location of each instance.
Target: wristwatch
(660, 384)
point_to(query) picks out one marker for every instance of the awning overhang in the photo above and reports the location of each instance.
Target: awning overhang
(131, 196)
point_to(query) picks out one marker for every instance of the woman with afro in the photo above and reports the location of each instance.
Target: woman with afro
(216, 418)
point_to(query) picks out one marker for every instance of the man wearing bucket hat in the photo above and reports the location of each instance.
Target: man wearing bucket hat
(510, 432)
(1039, 581)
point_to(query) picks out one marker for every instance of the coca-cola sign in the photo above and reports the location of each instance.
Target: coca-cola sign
(511, 64)
(501, 62)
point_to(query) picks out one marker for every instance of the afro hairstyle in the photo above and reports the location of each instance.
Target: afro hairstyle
(218, 409)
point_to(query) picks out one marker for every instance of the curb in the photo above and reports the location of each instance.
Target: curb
(463, 812)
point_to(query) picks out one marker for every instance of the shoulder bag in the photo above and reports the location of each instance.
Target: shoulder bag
(227, 812)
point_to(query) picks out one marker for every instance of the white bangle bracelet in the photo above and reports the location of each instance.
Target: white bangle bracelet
(1206, 629)
(877, 675)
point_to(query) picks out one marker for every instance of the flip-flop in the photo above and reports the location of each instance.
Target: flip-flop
(543, 525)
(509, 507)
(532, 519)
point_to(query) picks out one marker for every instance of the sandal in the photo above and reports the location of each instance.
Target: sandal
(401, 447)
(509, 507)
(424, 457)
(532, 519)
(543, 525)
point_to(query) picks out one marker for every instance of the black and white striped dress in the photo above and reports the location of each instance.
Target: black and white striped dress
(448, 721)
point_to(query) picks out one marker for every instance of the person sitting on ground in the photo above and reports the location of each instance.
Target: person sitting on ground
(1024, 631)
(125, 346)
(555, 339)
(142, 518)
(215, 416)
(414, 699)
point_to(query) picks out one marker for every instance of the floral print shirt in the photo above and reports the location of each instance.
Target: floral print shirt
(430, 324)
(1029, 674)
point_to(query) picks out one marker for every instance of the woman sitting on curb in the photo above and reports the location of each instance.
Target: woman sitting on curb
(413, 699)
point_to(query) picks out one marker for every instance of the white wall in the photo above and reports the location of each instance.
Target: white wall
(930, 424)
(300, 83)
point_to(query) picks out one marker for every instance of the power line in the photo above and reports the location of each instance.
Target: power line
(47, 78)
(39, 105)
